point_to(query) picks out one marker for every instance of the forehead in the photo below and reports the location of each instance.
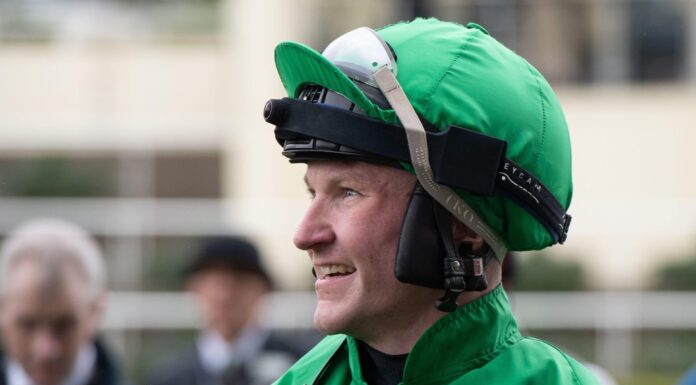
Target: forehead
(368, 174)
(30, 290)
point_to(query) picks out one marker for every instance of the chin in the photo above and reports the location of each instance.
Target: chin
(47, 379)
(330, 320)
(49, 376)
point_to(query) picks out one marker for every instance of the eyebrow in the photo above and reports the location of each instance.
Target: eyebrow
(339, 176)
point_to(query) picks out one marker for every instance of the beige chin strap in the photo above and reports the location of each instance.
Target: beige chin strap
(418, 147)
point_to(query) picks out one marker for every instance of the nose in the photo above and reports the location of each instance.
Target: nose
(45, 345)
(315, 229)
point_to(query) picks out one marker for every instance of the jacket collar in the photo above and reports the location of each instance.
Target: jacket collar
(457, 343)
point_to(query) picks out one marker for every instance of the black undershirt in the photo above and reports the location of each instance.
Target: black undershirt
(379, 368)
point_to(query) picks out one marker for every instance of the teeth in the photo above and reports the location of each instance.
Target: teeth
(334, 269)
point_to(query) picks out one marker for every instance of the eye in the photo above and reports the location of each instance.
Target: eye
(348, 193)
(27, 325)
(311, 193)
(64, 325)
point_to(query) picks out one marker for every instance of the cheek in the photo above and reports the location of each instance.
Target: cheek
(16, 339)
(386, 228)
(378, 219)
(16, 342)
(375, 238)
(84, 330)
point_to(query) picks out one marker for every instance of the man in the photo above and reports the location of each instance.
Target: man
(228, 283)
(432, 150)
(52, 297)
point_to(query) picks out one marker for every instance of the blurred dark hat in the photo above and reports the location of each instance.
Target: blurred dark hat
(232, 253)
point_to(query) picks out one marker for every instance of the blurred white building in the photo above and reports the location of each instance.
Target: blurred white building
(151, 111)
(171, 121)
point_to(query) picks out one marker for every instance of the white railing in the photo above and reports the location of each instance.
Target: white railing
(629, 310)
(613, 315)
(124, 216)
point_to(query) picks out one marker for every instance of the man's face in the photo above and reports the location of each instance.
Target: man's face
(226, 298)
(43, 326)
(350, 232)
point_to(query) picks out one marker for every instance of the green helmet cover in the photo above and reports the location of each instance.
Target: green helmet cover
(461, 76)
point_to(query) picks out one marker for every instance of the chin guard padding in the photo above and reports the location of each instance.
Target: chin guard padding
(475, 265)
(454, 269)
(427, 254)
(420, 251)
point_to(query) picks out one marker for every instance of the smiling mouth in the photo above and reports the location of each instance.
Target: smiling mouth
(331, 271)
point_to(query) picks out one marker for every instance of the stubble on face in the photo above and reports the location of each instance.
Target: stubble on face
(354, 223)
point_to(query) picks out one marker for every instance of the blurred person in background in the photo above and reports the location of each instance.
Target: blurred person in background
(228, 283)
(409, 269)
(52, 297)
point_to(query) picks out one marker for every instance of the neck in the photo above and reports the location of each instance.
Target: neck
(401, 331)
(399, 335)
(226, 334)
(493, 276)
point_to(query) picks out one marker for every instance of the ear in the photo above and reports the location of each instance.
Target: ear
(97, 308)
(462, 233)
